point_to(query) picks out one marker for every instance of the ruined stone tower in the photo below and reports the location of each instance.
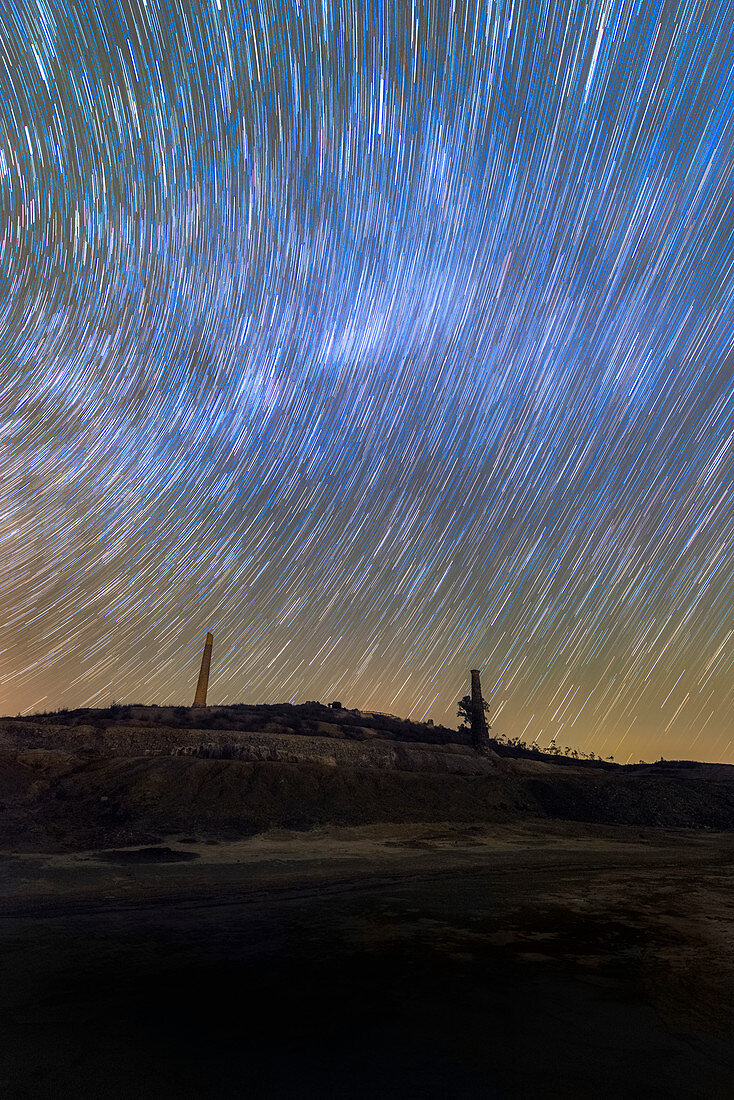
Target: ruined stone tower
(203, 684)
(479, 730)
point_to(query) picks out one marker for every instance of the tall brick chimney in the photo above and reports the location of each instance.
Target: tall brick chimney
(479, 730)
(203, 684)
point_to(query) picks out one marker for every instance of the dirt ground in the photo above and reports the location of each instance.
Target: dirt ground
(539, 960)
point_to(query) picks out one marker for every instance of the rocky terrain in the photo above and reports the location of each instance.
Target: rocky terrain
(553, 960)
(305, 901)
(131, 774)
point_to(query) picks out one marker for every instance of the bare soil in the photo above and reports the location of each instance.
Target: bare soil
(536, 959)
(295, 902)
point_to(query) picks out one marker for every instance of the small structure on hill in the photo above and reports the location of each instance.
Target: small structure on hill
(479, 729)
(203, 684)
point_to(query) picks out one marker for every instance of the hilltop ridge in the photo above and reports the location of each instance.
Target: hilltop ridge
(133, 774)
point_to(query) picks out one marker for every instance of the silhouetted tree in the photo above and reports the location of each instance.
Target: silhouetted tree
(464, 711)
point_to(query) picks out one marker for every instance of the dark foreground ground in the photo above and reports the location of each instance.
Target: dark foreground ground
(541, 960)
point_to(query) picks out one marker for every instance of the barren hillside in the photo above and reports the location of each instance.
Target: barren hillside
(133, 774)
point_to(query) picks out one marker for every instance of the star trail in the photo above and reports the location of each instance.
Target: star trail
(385, 340)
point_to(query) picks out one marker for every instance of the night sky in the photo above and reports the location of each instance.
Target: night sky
(385, 340)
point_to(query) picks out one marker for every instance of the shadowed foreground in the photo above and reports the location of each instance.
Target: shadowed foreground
(385, 961)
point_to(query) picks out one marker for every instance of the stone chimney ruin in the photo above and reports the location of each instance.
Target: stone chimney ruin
(479, 728)
(203, 684)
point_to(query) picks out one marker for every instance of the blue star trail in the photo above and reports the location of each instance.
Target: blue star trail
(383, 340)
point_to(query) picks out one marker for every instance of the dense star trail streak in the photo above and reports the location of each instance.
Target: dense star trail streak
(384, 340)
